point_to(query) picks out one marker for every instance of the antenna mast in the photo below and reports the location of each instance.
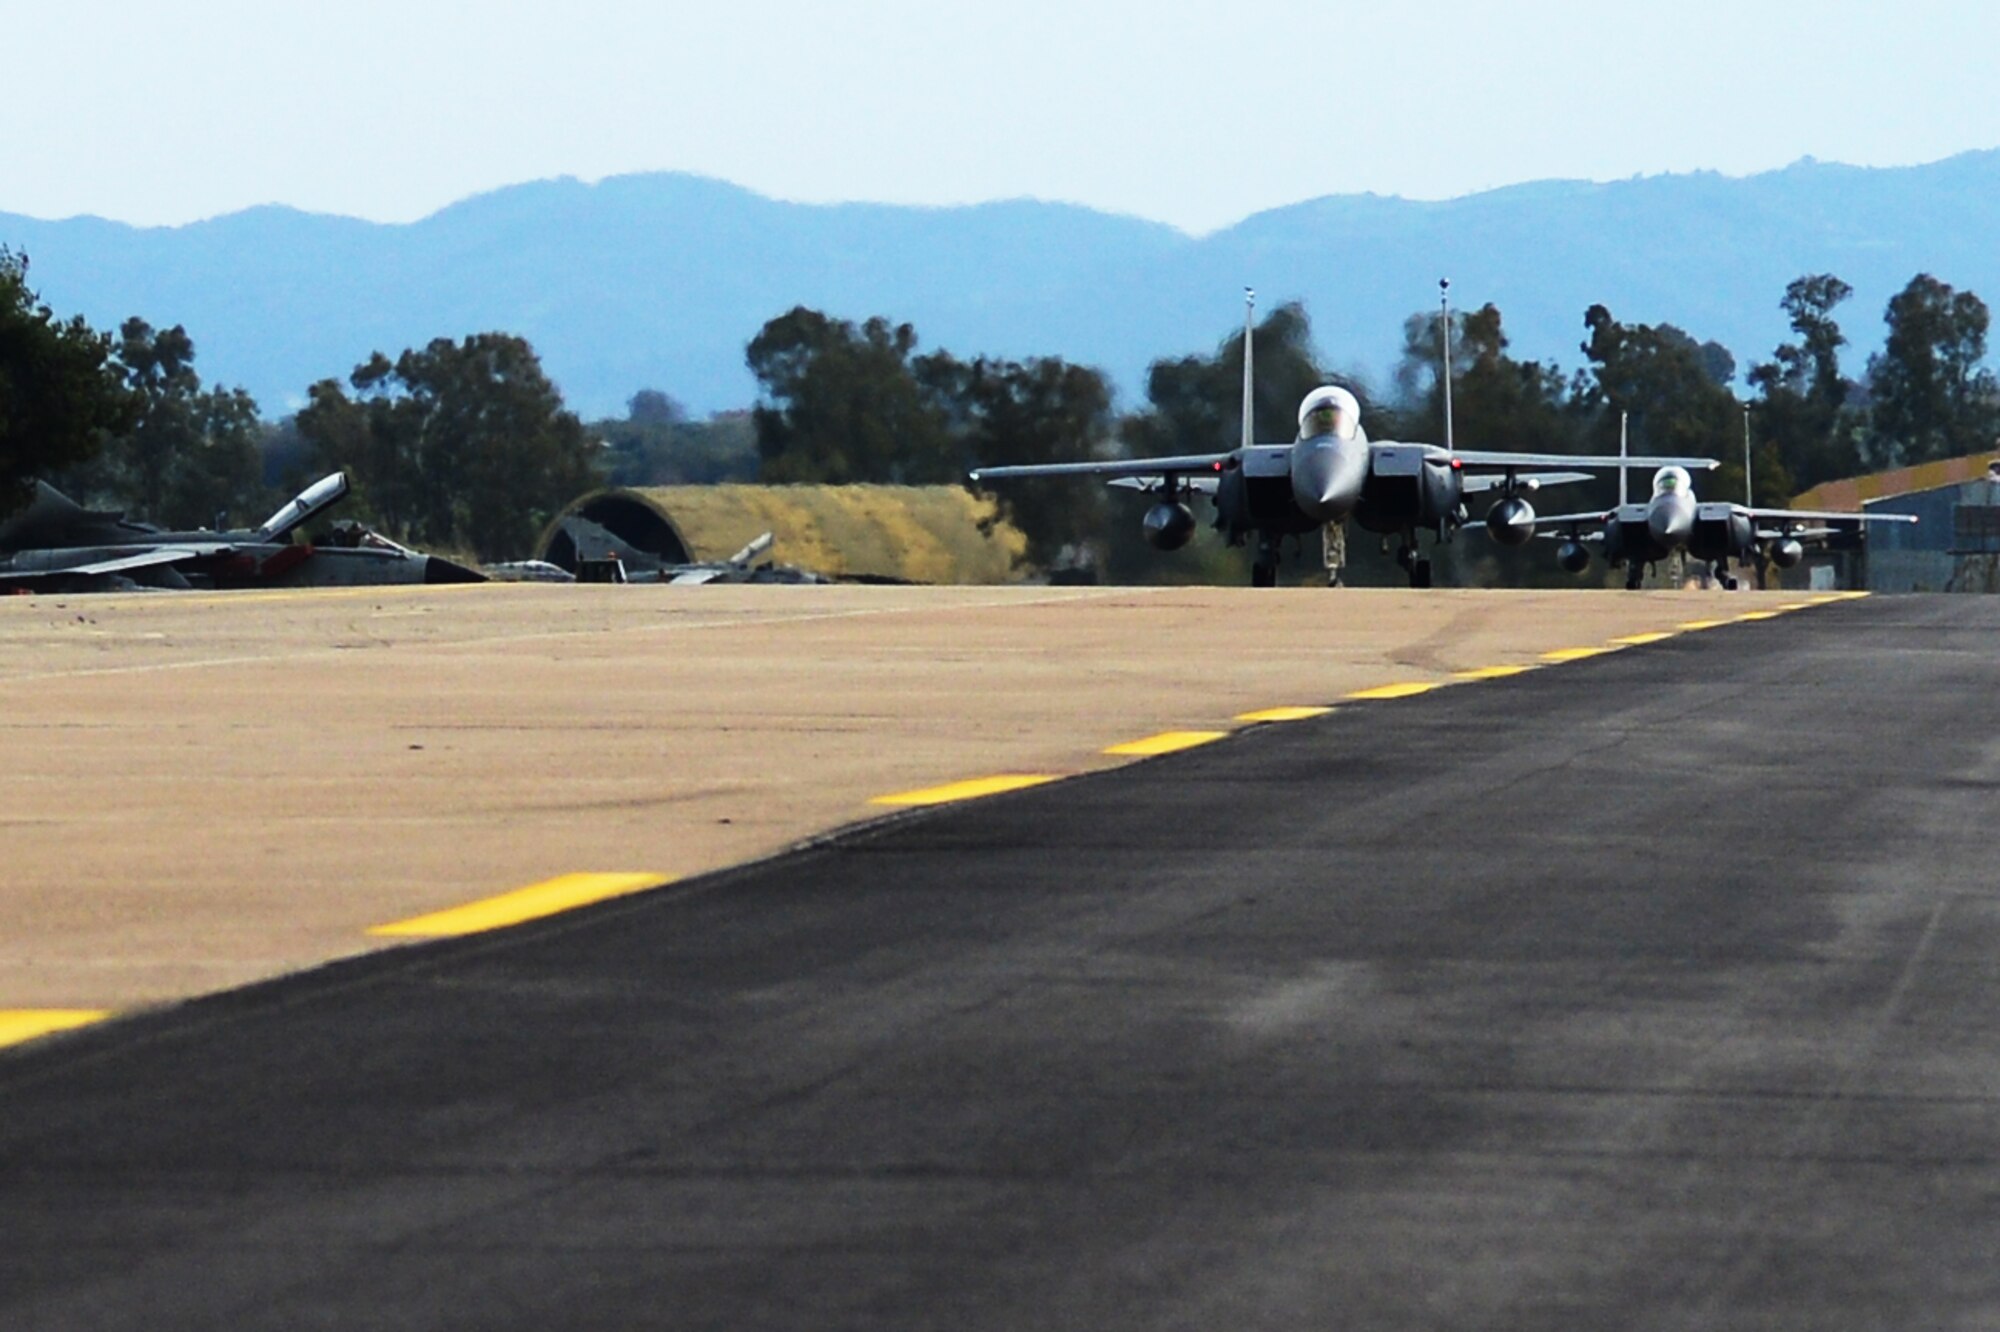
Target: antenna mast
(1249, 325)
(1444, 334)
(1623, 453)
(1749, 497)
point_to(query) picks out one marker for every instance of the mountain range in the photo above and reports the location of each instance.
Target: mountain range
(660, 280)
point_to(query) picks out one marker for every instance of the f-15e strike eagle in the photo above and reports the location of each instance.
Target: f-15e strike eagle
(1637, 535)
(1333, 472)
(56, 545)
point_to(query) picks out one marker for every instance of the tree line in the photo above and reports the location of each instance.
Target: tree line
(847, 402)
(467, 446)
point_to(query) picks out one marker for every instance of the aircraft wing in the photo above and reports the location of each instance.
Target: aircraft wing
(1480, 484)
(1511, 461)
(1121, 467)
(146, 559)
(1821, 516)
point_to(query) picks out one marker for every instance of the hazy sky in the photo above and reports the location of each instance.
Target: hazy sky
(1186, 111)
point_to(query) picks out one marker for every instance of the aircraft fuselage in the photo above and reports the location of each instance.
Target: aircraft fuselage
(1283, 490)
(1645, 533)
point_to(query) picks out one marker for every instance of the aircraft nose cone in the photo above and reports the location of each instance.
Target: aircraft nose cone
(1670, 523)
(1326, 477)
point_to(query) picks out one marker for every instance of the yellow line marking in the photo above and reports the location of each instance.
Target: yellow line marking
(1283, 714)
(1576, 654)
(27, 1024)
(1797, 605)
(966, 790)
(565, 893)
(1702, 624)
(1166, 742)
(1408, 689)
(1758, 615)
(1638, 640)
(1490, 672)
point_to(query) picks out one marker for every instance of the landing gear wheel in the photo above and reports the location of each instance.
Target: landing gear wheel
(1723, 578)
(1420, 573)
(1263, 575)
(1635, 574)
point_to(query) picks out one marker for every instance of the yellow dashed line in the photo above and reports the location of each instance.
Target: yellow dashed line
(1166, 742)
(1703, 624)
(1408, 689)
(1283, 714)
(966, 790)
(27, 1024)
(1637, 640)
(1797, 605)
(1576, 654)
(1490, 672)
(1758, 615)
(566, 893)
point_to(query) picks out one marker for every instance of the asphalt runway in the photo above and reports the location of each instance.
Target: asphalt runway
(1651, 990)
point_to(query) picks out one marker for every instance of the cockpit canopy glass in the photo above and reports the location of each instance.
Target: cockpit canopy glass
(1671, 481)
(1329, 411)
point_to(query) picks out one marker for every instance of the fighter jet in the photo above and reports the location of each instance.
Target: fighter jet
(1332, 472)
(56, 545)
(1638, 535)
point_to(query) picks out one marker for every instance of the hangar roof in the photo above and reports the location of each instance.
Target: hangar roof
(1847, 496)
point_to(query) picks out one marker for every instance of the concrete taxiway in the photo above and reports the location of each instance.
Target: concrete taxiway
(1650, 989)
(204, 790)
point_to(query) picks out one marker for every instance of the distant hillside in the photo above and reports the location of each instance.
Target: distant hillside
(658, 281)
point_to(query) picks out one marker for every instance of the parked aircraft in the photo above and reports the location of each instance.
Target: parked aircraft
(614, 566)
(56, 545)
(1330, 473)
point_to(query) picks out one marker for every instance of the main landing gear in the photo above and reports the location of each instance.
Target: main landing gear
(1635, 573)
(1418, 569)
(1723, 578)
(1264, 569)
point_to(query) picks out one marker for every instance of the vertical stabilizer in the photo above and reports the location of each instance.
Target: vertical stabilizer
(1249, 340)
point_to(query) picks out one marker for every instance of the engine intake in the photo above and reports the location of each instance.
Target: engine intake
(1169, 526)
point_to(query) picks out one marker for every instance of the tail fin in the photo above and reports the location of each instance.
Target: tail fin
(1249, 326)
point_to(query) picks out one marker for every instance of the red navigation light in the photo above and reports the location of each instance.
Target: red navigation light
(1457, 465)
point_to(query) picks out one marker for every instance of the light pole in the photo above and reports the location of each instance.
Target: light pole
(1444, 334)
(1749, 497)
